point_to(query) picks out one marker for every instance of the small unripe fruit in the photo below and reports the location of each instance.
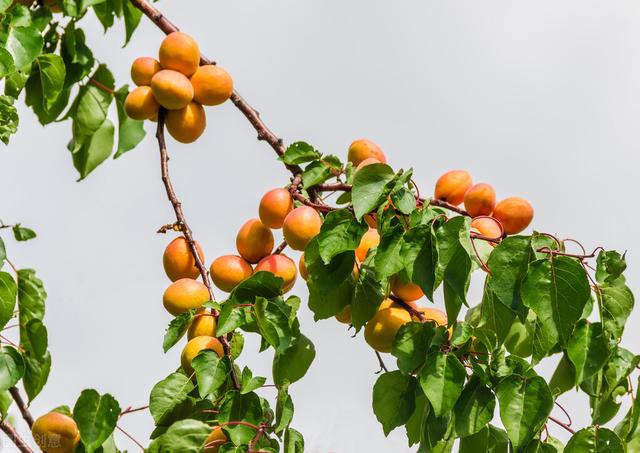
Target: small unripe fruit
(143, 69)
(381, 330)
(229, 270)
(203, 324)
(140, 104)
(302, 266)
(187, 124)
(345, 315)
(515, 214)
(183, 295)
(56, 433)
(178, 261)
(408, 292)
(212, 85)
(368, 161)
(369, 240)
(193, 348)
(274, 207)
(180, 52)
(254, 241)
(434, 314)
(172, 89)
(281, 266)
(487, 226)
(480, 200)
(363, 149)
(214, 440)
(452, 186)
(300, 226)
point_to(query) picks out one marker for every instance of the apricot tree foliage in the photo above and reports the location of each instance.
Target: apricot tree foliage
(378, 245)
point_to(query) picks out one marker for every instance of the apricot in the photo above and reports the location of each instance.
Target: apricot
(254, 241)
(187, 124)
(203, 324)
(363, 149)
(274, 207)
(140, 104)
(302, 266)
(480, 199)
(143, 69)
(214, 440)
(180, 52)
(452, 186)
(229, 270)
(178, 261)
(281, 266)
(345, 315)
(193, 348)
(487, 226)
(172, 89)
(514, 213)
(434, 314)
(408, 292)
(300, 226)
(369, 240)
(212, 85)
(56, 433)
(183, 295)
(381, 330)
(368, 161)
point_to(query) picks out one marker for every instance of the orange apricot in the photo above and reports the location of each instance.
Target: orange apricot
(274, 207)
(345, 315)
(281, 266)
(487, 226)
(215, 439)
(180, 52)
(304, 272)
(203, 324)
(254, 241)
(229, 270)
(178, 261)
(434, 314)
(368, 161)
(187, 124)
(300, 226)
(369, 240)
(381, 330)
(212, 85)
(514, 213)
(193, 348)
(363, 149)
(172, 89)
(408, 291)
(143, 69)
(56, 433)
(183, 295)
(480, 199)
(140, 104)
(452, 186)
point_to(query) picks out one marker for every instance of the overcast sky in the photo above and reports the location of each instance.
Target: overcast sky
(541, 99)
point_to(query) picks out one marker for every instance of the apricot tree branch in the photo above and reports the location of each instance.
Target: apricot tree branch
(12, 434)
(294, 189)
(563, 425)
(15, 394)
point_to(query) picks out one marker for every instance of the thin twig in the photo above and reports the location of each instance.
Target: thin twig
(24, 410)
(133, 439)
(281, 247)
(131, 410)
(11, 432)
(563, 425)
(383, 367)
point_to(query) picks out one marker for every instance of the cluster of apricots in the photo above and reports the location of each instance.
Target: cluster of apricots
(178, 83)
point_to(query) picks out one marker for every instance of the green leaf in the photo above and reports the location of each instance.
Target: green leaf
(3, 253)
(416, 421)
(31, 296)
(421, 257)
(340, 232)
(495, 317)
(525, 404)
(8, 118)
(96, 416)
(92, 152)
(34, 339)
(272, 318)
(588, 349)
(508, 264)
(394, 399)
(250, 383)
(284, 409)
(130, 131)
(412, 343)
(132, 16)
(315, 173)
(388, 258)
(52, 74)
(617, 302)
(5, 4)
(176, 329)
(184, 436)
(595, 440)
(370, 188)
(91, 106)
(293, 441)
(564, 377)
(11, 367)
(22, 233)
(434, 430)
(6, 63)
(238, 407)
(627, 429)
(540, 447)
(609, 267)
(5, 403)
(404, 201)
(211, 371)
(24, 44)
(474, 408)
(293, 364)
(167, 395)
(442, 379)
(77, 56)
(299, 153)
(8, 294)
(367, 296)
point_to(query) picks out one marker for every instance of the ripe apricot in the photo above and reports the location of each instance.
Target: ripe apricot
(304, 273)
(408, 291)
(345, 315)
(452, 186)
(193, 348)
(229, 270)
(180, 52)
(281, 266)
(254, 241)
(434, 314)
(300, 226)
(183, 295)
(178, 261)
(214, 440)
(143, 69)
(514, 213)
(212, 85)
(362, 149)
(368, 161)
(274, 207)
(172, 89)
(369, 240)
(381, 330)
(203, 324)
(56, 433)
(140, 104)
(487, 226)
(186, 124)
(480, 199)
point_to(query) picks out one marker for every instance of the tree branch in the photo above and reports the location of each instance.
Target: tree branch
(12, 434)
(15, 394)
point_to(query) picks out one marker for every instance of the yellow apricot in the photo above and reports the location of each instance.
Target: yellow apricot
(254, 241)
(362, 149)
(183, 295)
(300, 226)
(274, 207)
(452, 186)
(480, 199)
(172, 89)
(304, 272)
(140, 104)
(229, 270)
(345, 315)
(408, 291)
(193, 348)
(203, 324)
(381, 330)
(487, 226)
(214, 440)
(368, 161)
(212, 85)
(281, 266)
(369, 240)
(515, 214)
(56, 433)
(434, 314)
(180, 52)
(178, 261)
(143, 69)
(187, 124)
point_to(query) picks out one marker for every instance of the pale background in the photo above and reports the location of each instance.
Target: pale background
(542, 99)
